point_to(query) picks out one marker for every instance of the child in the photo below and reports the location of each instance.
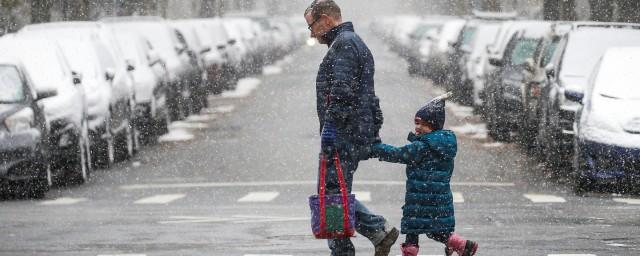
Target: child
(429, 158)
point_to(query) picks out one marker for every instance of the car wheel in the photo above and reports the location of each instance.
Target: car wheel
(105, 148)
(496, 129)
(125, 143)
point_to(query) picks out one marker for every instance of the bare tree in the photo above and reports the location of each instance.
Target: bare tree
(601, 10)
(628, 11)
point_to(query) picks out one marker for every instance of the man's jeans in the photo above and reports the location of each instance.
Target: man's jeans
(368, 224)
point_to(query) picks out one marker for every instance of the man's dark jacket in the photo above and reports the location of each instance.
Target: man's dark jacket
(345, 90)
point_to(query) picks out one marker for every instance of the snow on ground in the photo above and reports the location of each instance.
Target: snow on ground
(493, 145)
(271, 70)
(220, 109)
(187, 125)
(176, 135)
(459, 110)
(201, 118)
(477, 131)
(243, 89)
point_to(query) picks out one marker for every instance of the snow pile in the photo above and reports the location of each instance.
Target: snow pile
(477, 131)
(176, 135)
(220, 109)
(201, 118)
(243, 89)
(460, 111)
(493, 145)
(271, 70)
(187, 125)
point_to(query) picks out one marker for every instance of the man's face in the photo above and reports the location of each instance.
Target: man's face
(318, 27)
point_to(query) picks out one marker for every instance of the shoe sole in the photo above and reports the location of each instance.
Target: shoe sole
(470, 248)
(387, 242)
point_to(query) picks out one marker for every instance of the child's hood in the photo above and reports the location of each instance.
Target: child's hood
(441, 141)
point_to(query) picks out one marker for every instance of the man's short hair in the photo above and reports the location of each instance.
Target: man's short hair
(328, 7)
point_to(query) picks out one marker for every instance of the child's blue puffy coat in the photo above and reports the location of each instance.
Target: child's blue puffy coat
(428, 200)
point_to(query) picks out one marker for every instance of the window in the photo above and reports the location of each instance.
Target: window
(11, 85)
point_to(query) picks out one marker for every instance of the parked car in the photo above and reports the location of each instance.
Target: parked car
(503, 100)
(173, 54)
(576, 55)
(607, 125)
(472, 69)
(443, 59)
(113, 135)
(66, 113)
(150, 86)
(24, 166)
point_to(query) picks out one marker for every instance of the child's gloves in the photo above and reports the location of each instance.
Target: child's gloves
(328, 135)
(374, 149)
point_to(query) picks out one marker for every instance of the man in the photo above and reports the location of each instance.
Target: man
(349, 113)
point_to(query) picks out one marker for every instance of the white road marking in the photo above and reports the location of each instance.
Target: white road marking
(540, 198)
(362, 196)
(457, 197)
(220, 109)
(122, 255)
(627, 200)
(268, 255)
(259, 197)
(425, 255)
(201, 118)
(63, 201)
(492, 145)
(293, 183)
(271, 70)
(477, 131)
(160, 199)
(237, 219)
(617, 245)
(571, 255)
(187, 125)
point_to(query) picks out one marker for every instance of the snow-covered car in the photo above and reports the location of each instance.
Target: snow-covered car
(239, 51)
(150, 85)
(23, 132)
(472, 72)
(66, 113)
(443, 59)
(607, 126)
(504, 93)
(174, 56)
(112, 132)
(577, 53)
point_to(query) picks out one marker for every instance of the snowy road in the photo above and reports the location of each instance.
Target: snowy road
(235, 181)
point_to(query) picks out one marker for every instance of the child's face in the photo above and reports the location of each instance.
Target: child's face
(422, 127)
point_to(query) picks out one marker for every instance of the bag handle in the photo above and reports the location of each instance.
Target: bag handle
(343, 191)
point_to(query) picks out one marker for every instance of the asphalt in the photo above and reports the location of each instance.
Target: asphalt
(240, 185)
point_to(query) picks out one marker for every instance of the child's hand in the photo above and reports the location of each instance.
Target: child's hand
(373, 150)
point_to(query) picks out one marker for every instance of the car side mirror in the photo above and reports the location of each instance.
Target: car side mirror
(221, 47)
(550, 71)
(574, 96)
(180, 48)
(109, 74)
(529, 65)
(496, 62)
(232, 41)
(46, 94)
(153, 58)
(76, 78)
(205, 50)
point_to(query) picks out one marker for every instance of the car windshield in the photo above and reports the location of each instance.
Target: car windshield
(82, 57)
(522, 50)
(586, 46)
(548, 52)
(43, 63)
(618, 76)
(10, 85)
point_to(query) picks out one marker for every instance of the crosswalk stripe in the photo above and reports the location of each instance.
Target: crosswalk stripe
(362, 196)
(571, 255)
(268, 255)
(457, 197)
(122, 255)
(267, 196)
(160, 199)
(540, 198)
(627, 200)
(63, 201)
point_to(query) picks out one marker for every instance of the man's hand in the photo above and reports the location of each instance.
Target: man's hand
(328, 136)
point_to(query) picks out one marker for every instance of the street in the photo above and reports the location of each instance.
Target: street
(235, 180)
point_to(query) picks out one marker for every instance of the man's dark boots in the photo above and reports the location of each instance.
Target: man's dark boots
(384, 246)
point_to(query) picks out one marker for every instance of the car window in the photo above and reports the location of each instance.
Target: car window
(586, 46)
(522, 50)
(468, 35)
(11, 85)
(548, 52)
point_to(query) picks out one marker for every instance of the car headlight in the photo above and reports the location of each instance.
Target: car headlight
(20, 121)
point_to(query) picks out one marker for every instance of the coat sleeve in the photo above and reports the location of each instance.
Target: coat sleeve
(342, 95)
(407, 154)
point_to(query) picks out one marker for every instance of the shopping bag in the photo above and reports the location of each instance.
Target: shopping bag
(333, 215)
